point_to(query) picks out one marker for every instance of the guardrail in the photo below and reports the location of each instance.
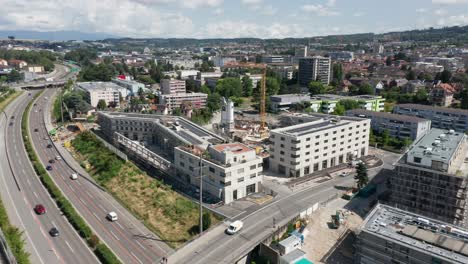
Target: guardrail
(5, 251)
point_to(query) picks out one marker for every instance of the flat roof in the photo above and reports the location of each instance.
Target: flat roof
(99, 86)
(236, 148)
(335, 97)
(403, 118)
(414, 231)
(439, 145)
(434, 108)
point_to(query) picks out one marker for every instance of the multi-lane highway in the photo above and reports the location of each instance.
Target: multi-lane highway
(21, 190)
(218, 247)
(130, 240)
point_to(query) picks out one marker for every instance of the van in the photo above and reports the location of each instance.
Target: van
(112, 216)
(234, 227)
(74, 176)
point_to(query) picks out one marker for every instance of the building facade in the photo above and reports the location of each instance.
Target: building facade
(107, 91)
(173, 101)
(441, 117)
(132, 86)
(321, 142)
(391, 235)
(431, 178)
(230, 171)
(314, 69)
(398, 126)
(172, 86)
(367, 102)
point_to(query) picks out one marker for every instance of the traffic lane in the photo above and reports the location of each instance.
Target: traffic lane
(35, 233)
(69, 243)
(124, 216)
(134, 251)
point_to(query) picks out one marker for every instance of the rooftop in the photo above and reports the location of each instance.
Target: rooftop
(434, 108)
(431, 236)
(403, 118)
(335, 97)
(236, 148)
(99, 86)
(446, 147)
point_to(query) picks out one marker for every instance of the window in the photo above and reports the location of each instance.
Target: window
(307, 153)
(317, 137)
(308, 139)
(212, 169)
(259, 165)
(282, 138)
(326, 141)
(241, 179)
(253, 175)
(307, 160)
(253, 167)
(316, 143)
(227, 183)
(334, 138)
(281, 159)
(316, 150)
(307, 146)
(190, 168)
(222, 174)
(316, 157)
(342, 136)
(417, 160)
(241, 170)
(281, 152)
(342, 130)
(282, 145)
(325, 148)
(334, 132)
(326, 134)
(334, 145)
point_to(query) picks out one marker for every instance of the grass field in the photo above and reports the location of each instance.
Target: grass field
(173, 217)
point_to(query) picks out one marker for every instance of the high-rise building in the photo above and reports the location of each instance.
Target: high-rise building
(300, 52)
(432, 177)
(172, 86)
(314, 69)
(391, 235)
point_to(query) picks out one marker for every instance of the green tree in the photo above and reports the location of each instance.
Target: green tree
(388, 61)
(228, 87)
(366, 88)
(411, 75)
(205, 89)
(420, 97)
(339, 109)
(213, 102)
(338, 72)
(316, 88)
(247, 86)
(272, 86)
(206, 220)
(100, 72)
(15, 76)
(349, 104)
(445, 76)
(361, 176)
(464, 99)
(385, 137)
(101, 104)
(191, 86)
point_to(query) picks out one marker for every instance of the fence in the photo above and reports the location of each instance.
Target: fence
(6, 256)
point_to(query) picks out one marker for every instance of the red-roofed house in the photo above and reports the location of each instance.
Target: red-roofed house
(442, 94)
(3, 62)
(17, 63)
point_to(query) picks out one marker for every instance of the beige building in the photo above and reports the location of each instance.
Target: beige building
(107, 91)
(318, 142)
(35, 68)
(173, 101)
(230, 171)
(172, 86)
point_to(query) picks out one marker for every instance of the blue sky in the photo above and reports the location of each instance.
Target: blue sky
(231, 18)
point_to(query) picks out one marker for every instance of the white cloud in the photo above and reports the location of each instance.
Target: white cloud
(440, 12)
(319, 10)
(421, 10)
(331, 3)
(457, 20)
(269, 10)
(201, 3)
(252, 2)
(449, 2)
(236, 29)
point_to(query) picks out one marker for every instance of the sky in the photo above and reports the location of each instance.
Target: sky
(230, 18)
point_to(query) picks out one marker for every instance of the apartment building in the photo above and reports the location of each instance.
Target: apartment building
(322, 141)
(107, 91)
(284, 71)
(230, 171)
(431, 178)
(441, 117)
(347, 56)
(391, 235)
(398, 126)
(173, 101)
(367, 102)
(272, 59)
(314, 69)
(172, 86)
(286, 101)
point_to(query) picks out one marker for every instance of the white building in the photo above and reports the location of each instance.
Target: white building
(230, 171)
(132, 86)
(220, 61)
(272, 59)
(107, 91)
(321, 142)
(187, 74)
(173, 101)
(314, 69)
(172, 86)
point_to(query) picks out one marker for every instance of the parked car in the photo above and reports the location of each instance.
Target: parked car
(51, 161)
(49, 168)
(344, 174)
(39, 209)
(49, 145)
(58, 158)
(234, 227)
(112, 216)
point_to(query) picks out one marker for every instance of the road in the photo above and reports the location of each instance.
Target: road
(130, 240)
(217, 247)
(21, 190)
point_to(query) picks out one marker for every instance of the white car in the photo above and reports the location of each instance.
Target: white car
(58, 158)
(74, 176)
(112, 216)
(234, 227)
(344, 174)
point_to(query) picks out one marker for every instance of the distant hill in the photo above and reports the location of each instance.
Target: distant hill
(54, 35)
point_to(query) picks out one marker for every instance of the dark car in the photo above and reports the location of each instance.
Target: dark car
(54, 232)
(35, 130)
(39, 209)
(49, 168)
(51, 161)
(49, 145)
(12, 117)
(11, 123)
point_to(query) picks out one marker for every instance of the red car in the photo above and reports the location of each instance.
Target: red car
(39, 209)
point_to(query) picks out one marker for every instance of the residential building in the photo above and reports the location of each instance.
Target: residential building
(173, 101)
(431, 178)
(132, 86)
(284, 71)
(202, 75)
(172, 86)
(379, 48)
(368, 102)
(314, 69)
(322, 141)
(220, 61)
(187, 74)
(413, 87)
(35, 68)
(17, 63)
(3, 62)
(5, 70)
(398, 126)
(391, 235)
(441, 117)
(442, 95)
(256, 79)
(300, 52)
(341, 55)
(286, 101)
(107, 91)
(230, 171)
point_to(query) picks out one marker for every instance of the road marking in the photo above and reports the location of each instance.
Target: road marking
(114, 235)
(96, 216)
(136, 257)
(138, 242)
(81, 200)
(89, 194)
(35, 194)
(119, 225)
(66, 242)
(74, 189)
(102, 208)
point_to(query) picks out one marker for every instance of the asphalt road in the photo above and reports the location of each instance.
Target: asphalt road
(22, 195)
(217, 247)
(130, 240)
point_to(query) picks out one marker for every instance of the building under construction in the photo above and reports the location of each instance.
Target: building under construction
(431, 178)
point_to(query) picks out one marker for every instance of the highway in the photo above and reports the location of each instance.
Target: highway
(217, 247)
(129, 239)
(21, 190)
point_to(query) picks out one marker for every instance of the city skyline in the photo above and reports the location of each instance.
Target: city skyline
(231, 19)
